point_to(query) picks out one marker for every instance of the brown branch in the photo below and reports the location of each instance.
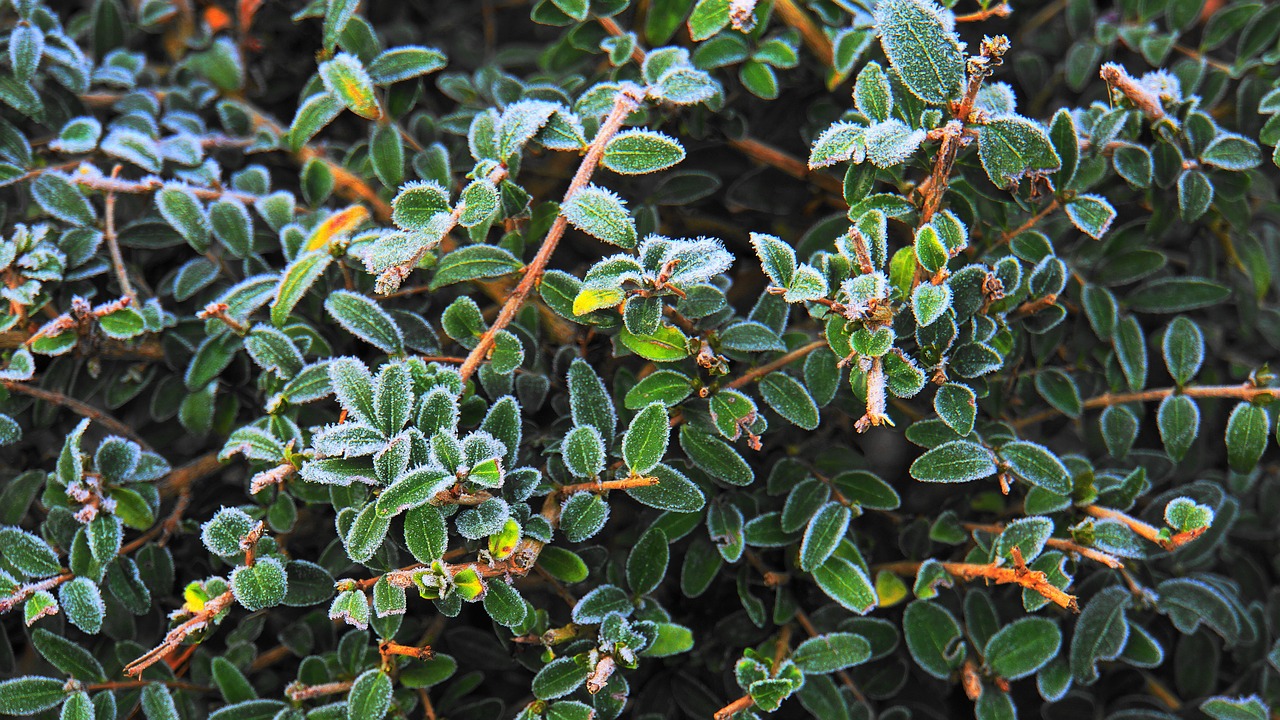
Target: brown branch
(1030, 579)
(175, 636)
(612, 27)
(80, 408)
(1119, 79)
(769, 155)
(999, 11)
(607, 485)
(785, 360)
(1030, 223)
(624, 103)
(816, 40)
(181, 478)
(1239, 392)
(734, 707)
(113, 246)
(1144, 530)
(133, 684)
(1063, 544)
(26, 591)
(298, 692)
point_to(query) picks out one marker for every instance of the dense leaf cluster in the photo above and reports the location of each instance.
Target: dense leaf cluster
(674, 358)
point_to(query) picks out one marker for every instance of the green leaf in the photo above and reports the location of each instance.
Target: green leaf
(583, 451)
(184, 212)
(636, 152)
(831, 652)
(872, 93)
(1178, 420)
(1022, 647)
(403, 63)
(934, 638)
(1100, 634)
(1037, 465)
(558, 678)
(1177, 294)
(365, 319)
(589, 401)
(1028, 534)
(847, 584)
(647, 562)
(27, 553)
(1195, 193)
(232, 683)
(345, 78)
(1091, 214)
(31, 694)
(60, 198)
(929, 302)
(294, 283)
(370, 695)
(708, 18)
(81, 599)
(955, 461)
(425, 533)
(1183, 347)
(1232, 152)
(790, 399)
(674, 492)
(67, 656)
(474, 263)
(1242, 708)
(714, 456)
(776, 257)
(663, 386)
(412, 489)
(601, 214)
(823, 534)
(1247, 431)
(504, 604)
(1013, 146)
(311, 117)
(157, 703)
(957, 406)
(646, 439)
(366, 534)
(260, 586)
(480, 201)
(582, 516)
(668, 344)
(921, 47)
(1184, 514)
(1131, 352)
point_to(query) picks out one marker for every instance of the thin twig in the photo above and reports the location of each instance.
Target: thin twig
(781, 362)
(624, 103)
(113, 246)
(80, 408)
(1239, 392)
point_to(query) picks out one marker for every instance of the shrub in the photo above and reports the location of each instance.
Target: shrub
(408, 381)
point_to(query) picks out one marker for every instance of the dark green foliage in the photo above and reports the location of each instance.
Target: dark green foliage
(586, 359)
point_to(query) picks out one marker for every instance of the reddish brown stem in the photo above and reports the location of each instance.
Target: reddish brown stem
(623, 104)
(785, 360)
(80, 408)
(1238, 392)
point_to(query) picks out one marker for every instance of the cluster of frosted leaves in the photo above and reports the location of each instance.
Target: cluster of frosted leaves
(412, 459)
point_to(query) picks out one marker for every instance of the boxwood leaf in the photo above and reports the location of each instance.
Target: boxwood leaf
(365, 319)
(636, 152)
(934, 638)
(601, 214)
(923, 49)
(474, 263)
(1037, 465)
(955, 461)
(831, 652)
